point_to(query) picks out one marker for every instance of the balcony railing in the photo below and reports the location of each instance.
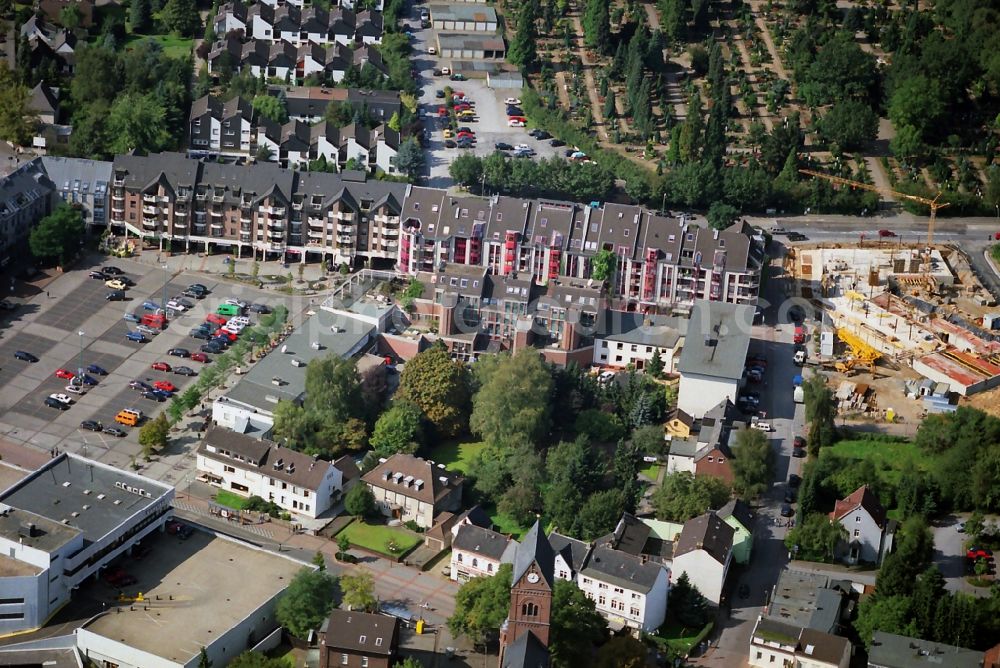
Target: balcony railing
(149, 210)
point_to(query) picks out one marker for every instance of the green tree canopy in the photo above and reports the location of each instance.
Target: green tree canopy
(752, 464)
(821, 409)
(358, 591)
(399, 429)
(17, 120)
(514, 403)
(816, 537)
(683, 496)
(360, 501)
(467, 169)
(688, 605)
(250, 659)
(410, 159)
(306, 602)
(138, 122)
(575, 626)
(181, 17)
(439, 386)
(602, 266)
(153, 435)
(849, 124)
(270, 107)
(523, 45)
(58, 235)
(481, 606)
(722, 215)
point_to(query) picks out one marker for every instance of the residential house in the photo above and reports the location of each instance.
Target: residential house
(358, 640)
(309, 103)
(410, 488)
(741, 518)
(84, 184)
(570, 555)
(44, 101)
(297, 482)
(221, 127)
(715, 352)
(632, 339)
(27, 195)
(679, 424)
(864, 519)
(477, 552)
(299, 25)
(889, 650)
(52, 9)
(440, 536)
(49, 45)
(775, 643)
(708, 451)
(704, 551)
(353, 147)
(628, 590)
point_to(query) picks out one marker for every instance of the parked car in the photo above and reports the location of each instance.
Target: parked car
(24, 356)
(185, 371)
(140, 385)
(65, 398)
(161, 366)
(794, 481)
(199, 357)
(503, 146)
(93, 368)
(557, 142)
(115, 296)
(53, 403)
(886, 233)
(179, 352)
(798, 442)
(65, 374)
(176, 305)
(165, 386)
(76, 389)
(153, 396)
(978, 553)
(512, 100)
(450, 143)
(786, 510)
(260, 308)
(132, 317)
(88, 380)
(115, 431)
(200, 334)
(112, 271)
(457, 76)
(115, 284)
(136, 336)
(211, 347)
(515, 123)
(99, 275)
(91, 425)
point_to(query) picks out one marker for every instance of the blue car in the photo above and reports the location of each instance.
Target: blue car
(138, 337)
(88, 380)
(93, 368)
(150, 306)
(131, 317)
(163, 393)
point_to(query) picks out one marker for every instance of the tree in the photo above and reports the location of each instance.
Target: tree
(467, 169)
(602, 266)
(408, 662)
(399, 429)
(917, 102)
(410, 158)
(137, 122)
(821, 409)
(752, 463)
(648, 439)
(333, 388)
(203, 660)
(140, 16)
(849, 124)
(181, 17)
(890, 614)
(439, 386)
(481, 605)
(722, 215)
(655, 366)
(600, 513)
(58, 235)
(522, 51)
(597, 26)
(575, 624)
(683, 496)
(907, 142)
(816, 537)
(70, 17)
(358, 591)
(914, 550)
(360, 501)
(153, 435)
(270, 107)
(306, 602)
(17, 120)
(251, 659)
(514, 402)
(622, 652)
(687, 604)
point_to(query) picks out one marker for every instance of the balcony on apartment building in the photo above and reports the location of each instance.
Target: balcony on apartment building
(218, 196)
(245, 238)
(118, 194)
(150, 224)
(149, 210)
(117, 180)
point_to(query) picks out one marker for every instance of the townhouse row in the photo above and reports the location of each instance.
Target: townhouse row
(284, 60)
(299, 25)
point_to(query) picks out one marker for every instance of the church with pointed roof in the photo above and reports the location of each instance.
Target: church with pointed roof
(524, 637)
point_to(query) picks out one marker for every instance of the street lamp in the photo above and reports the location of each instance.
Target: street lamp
(163, 303)
(80, 369)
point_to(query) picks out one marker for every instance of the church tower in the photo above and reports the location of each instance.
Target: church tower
(526, 631)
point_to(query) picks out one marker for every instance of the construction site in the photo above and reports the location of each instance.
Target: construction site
(914, 318)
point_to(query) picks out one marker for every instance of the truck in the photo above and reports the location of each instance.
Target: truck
(798, 394)
(800, 334)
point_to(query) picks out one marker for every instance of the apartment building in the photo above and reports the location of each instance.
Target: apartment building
(26, 196)
(410, 488)
(221, 127)
(256, 209)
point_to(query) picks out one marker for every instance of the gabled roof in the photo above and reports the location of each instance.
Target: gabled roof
(630, 535)
(44, 99)
(706, 532)
(739, 511)
(574, 552)
(264, 457)
(361, 632)
(477, 540)
(865, 498)
(413, 477)
(535, 549)
(527, 651)
(621, 569)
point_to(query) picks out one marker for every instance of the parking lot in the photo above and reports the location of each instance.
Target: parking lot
(74, 325)
(491, 123)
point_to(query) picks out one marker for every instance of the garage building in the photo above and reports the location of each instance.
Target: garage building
(465, 17)
(470, 46)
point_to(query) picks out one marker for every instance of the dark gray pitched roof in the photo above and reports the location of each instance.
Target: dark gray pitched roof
(534, 548)
(482, 541)
(621, 569)
(527, 651)
(740, 511)
(629, 536)
(706, 532)
(573, 551)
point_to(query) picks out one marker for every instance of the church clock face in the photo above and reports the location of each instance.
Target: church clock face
(533, 578)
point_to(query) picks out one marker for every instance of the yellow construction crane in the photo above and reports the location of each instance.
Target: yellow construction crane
(933, 204)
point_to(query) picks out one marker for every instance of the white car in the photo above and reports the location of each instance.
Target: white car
(76, 389)
(762, 426)
(232, 328)
(523, 147)
(241, 320)
(237, 302)
(512, 100)
(432, 51)
(514, 123)
(148, 331)
(177, 306)
(61, 398)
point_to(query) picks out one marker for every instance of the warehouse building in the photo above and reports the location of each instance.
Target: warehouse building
(464, 17)
(471, 46)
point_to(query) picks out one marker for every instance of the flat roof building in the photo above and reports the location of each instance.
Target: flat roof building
(471, 46)
(889, 650)
(198, 595)
(64, 523)
(465, 17)
(714, 354)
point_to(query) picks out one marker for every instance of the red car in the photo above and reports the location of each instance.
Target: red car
(165, 385)
(799, 442)
(161, 366)
(463, 106)
(442, 111)
(886, 233)
(228, 335)
(64, 374)
(979, 553)
(216, 319)
(199, 357)
(465, 134)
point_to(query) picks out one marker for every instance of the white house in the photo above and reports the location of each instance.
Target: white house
(864, 519)
(477, 552)
(63, 524)
(776, 643)
(715, 351)
(570, 555)
(634, 338)
(248, 466)
(410, 488)
(704, 551)
(628, 591)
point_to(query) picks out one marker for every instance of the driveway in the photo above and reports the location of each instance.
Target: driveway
(949, 555)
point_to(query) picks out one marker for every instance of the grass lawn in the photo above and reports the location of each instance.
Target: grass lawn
(456, 456)
(502, 523)
(678, 638)
(891, 458)
(173, 46)
(375, 536)
(230, 499)
(651, 471)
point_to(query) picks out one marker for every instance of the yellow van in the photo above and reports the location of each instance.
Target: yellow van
(128, 417)
(467, 115)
